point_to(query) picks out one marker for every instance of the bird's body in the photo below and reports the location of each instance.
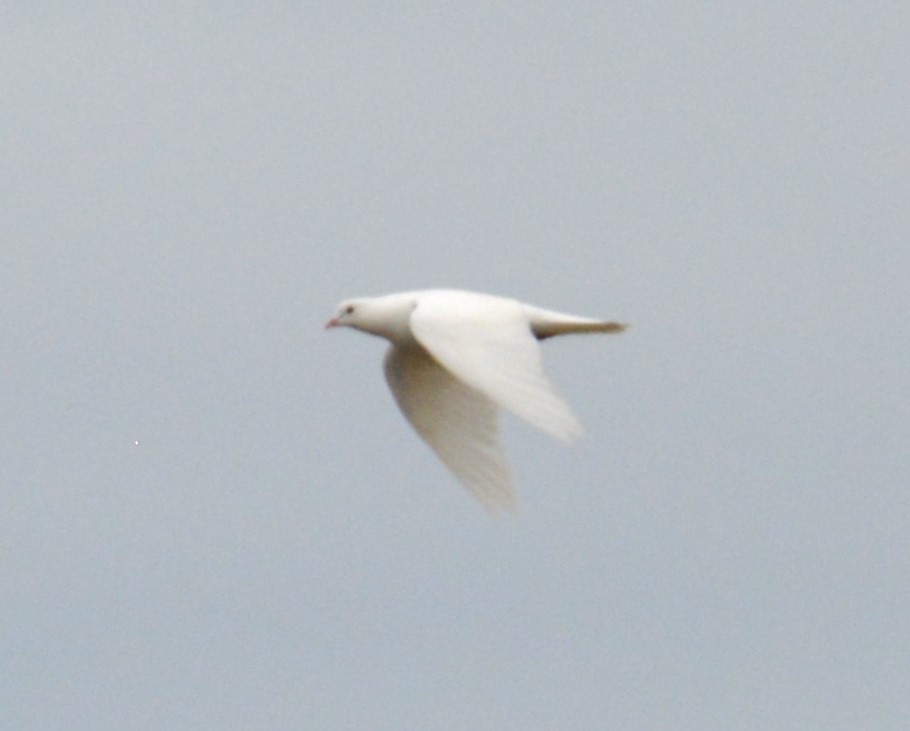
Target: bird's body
(455, 358)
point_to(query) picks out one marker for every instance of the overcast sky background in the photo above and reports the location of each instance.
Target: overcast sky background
(189, 189)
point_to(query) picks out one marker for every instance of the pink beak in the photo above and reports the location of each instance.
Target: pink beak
(331, 323)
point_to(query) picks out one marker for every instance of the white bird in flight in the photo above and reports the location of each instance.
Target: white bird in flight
(455, 358)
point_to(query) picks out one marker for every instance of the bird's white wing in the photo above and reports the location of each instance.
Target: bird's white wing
(487, 343)
(459, 423)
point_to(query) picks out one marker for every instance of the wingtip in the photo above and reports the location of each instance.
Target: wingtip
(501, 509)
(566, 428)
(498, 495)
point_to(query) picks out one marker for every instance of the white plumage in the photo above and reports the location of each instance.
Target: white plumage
(455, 358)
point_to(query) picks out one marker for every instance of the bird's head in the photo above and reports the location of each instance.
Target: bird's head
(347, 315)
(384, 316)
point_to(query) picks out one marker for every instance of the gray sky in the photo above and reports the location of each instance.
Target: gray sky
(188, 192)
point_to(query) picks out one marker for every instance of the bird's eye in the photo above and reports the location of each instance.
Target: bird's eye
(349, 310)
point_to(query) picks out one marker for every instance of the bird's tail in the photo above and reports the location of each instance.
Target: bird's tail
(547, 324)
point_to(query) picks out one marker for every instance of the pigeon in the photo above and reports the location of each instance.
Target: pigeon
(455, 359)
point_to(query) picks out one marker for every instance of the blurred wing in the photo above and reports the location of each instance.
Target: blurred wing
(459, 423)
(488, 344)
